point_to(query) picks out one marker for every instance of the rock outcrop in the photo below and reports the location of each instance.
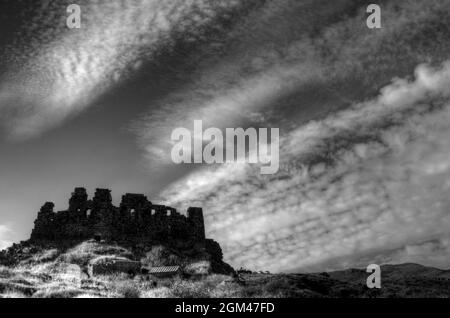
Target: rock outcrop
(107, 265)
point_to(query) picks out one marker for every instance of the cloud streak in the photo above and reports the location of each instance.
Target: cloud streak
(69, 69)
(374, 176)
(288, 62)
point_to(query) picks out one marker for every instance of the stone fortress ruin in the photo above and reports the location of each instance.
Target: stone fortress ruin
(135, 221)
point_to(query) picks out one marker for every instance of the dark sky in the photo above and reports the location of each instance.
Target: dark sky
(361, 112)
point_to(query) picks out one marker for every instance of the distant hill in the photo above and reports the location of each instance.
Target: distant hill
(402, 280)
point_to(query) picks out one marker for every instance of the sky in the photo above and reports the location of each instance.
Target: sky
(363, 116)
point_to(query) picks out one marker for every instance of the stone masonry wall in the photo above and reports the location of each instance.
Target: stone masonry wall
(136, 220)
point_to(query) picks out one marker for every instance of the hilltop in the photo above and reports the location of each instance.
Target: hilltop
(33, 270)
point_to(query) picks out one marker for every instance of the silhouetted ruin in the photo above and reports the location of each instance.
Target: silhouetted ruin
(136, 220)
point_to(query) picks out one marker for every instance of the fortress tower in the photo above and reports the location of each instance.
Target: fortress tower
(195, 216)
(79, 200)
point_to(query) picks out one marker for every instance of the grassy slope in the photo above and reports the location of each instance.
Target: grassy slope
(54, 273)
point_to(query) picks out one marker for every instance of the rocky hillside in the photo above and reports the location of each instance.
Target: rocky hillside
(54, 271)
(33, 271)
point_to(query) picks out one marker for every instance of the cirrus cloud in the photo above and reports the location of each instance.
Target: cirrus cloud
(374, 176)
(60, 72)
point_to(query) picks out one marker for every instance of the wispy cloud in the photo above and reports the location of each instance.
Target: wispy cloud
(62, 71)
(374, 176)
(288, 61)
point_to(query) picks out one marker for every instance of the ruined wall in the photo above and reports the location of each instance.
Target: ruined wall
(136, 220)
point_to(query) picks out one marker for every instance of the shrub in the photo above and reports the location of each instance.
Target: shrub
(5, 272)
(276, 286)
(45, 256)
(13, 294)
(58, 293)
(128, 290)
(188, 289)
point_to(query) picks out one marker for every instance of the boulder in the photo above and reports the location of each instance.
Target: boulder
(106, 265)
(198, 268)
